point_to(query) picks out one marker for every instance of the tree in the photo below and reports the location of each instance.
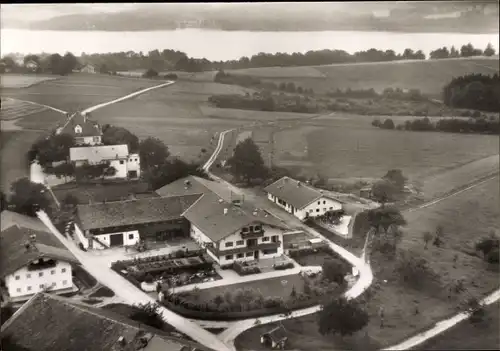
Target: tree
(454, 52)
(488, 244)
(53, 148)
(384, 191)
(104, 69)
(150, 73)
(171, 171)
(113, 135)
(27, 197)
(65, 169)
(3, 201)
(396, 177)
(489, 51)
(55, 64)
(414, 270)
(342, 316)
(246, 162)
(438, 239)
(153, 153)
(334, 270)
(388, 124)
(427, 236)
(69, 63)
(148, 314)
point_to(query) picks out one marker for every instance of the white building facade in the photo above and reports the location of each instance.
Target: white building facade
(316, 208)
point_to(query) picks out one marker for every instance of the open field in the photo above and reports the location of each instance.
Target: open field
(466, 336)
(13, 109)
(17, 81)
(79, 91)
(350, 148)
(429, 76)
(465, 218)
(181, 117)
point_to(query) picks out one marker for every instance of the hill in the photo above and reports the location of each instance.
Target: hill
(429, 76)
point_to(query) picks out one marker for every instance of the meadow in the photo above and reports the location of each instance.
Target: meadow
(429, 76)
(12, 109)
(349, 147)
(17, 81)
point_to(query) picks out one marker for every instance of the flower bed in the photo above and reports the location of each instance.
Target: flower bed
(245, 268)
(165, 267)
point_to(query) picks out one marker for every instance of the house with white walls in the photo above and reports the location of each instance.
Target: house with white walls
(127, 165)
(88, 68)
(83, 129)
(32, 260)
(124, 223)
(225, 225)
(301, 200)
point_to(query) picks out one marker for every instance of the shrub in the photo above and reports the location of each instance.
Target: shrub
(80, 245)
(283, 265)
(148, 278)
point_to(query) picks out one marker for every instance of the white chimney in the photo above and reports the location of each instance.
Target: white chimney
(221, 201)
(225, 211)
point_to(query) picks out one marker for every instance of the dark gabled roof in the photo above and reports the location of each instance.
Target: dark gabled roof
(129, 212)
(49, 323)
(14, 254)
(196, 185)
(207, 214)
(89, 127)
(10, 218)
(295, 193)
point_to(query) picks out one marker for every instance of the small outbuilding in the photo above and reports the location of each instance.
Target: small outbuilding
(275, 338)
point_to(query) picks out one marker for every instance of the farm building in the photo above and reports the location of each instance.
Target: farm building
(300, 199)
(32, 259)
(84, 130)
(90, 329)
(31, 65)
(230, 229)
(88, 68)
(125, 223)
(128, 166)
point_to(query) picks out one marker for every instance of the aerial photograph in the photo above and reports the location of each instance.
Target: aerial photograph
(250, 176)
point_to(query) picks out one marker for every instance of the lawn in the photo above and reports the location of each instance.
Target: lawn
(17, 81)
(429, 76)
(274, 287)
(467, 336)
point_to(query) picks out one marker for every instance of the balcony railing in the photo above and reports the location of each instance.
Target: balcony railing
(246, 248)
(253, 234)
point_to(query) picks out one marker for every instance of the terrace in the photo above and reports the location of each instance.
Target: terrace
(251, 245)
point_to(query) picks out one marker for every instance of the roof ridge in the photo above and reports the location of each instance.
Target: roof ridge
(131, 200)
(16, 314)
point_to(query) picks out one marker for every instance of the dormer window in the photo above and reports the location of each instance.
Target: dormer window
(78, 129)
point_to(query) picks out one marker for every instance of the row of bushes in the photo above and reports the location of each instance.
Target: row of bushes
(267, 103)
(388, 93)
(283, 265)
(170, 256)
(243, 268)
(296, 253)
(203, 311)
(451, 125)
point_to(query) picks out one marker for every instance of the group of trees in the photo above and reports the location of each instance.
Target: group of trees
(480, 125)
(388, 93)
(465, 51)
(54, 64)
(27, 198)
(474, 91)
(246, 163)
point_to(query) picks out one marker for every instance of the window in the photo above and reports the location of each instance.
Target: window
(251, 228)
(319, 202)
(311, 210)
(96, 139)
(18, 289)
(29, 288)
(324, 202)
(28, 276)
(275, 238)
(18, 277)
(331, 208)
(240, 255)
(65, 282)
(53, 284)
(53, 272)
(40, 274)
(42, 286)
(250, 254)
(229, 257)
(244, 230)
(266, 238)
(257, 228)
(229, 244)
(121, 162)
(240, 242)
(270, 251)
(317, 210)
(131, 236)
(63, 270)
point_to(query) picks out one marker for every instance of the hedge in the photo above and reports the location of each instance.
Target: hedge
(233, 316)
(283, 266)
(309, 251)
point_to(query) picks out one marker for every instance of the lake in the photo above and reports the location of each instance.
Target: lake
(223, 45)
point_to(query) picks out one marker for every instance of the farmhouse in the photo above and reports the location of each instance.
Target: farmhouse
(228, 228)
(31, 65)
(31, 259)
(88, 68)
(46, 322)
(84, 130)
(300, 199)
(117, 156)
(125, 223)
(192, 206)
